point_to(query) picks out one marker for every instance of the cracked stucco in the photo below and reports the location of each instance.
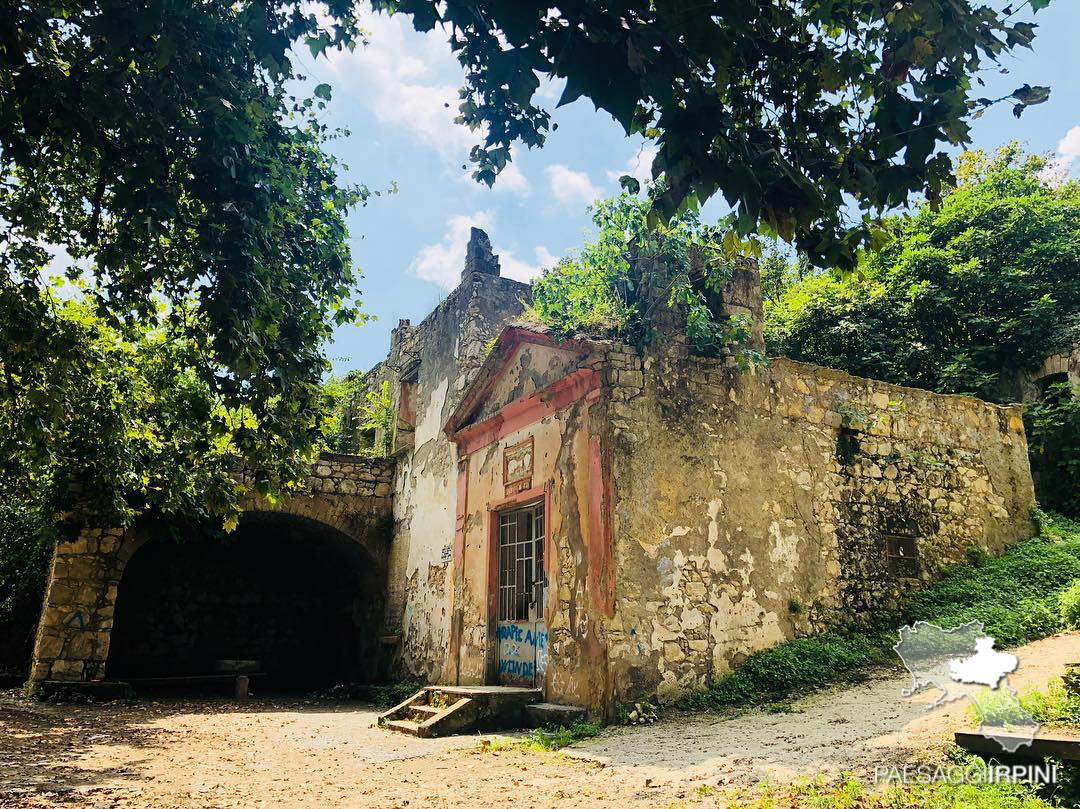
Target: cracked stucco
(741, 527)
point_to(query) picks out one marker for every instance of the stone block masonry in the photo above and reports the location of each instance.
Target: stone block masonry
(756, 506)
(349, 494)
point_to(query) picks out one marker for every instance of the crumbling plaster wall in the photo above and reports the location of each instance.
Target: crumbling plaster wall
(752, 506)
(530, 369)
(567, 469)
(445, 350)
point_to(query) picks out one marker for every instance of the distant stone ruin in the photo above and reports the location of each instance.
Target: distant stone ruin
(478, 255)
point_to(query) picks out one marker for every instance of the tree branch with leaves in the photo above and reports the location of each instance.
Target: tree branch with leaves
(793, 110)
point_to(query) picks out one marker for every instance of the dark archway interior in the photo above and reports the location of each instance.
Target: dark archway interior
(302, 599)
(1048, 381)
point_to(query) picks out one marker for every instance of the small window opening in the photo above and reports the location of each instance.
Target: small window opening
(903, 555)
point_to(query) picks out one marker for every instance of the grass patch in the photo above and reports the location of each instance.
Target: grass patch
(795, 664)
(850, 793)
(544, 741)
(781, 707)
(1016, 595)
(386, 696)
(1052, 706)
(1019, 596)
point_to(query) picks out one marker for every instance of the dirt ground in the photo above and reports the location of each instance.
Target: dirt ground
(848, 728)
(278, 753)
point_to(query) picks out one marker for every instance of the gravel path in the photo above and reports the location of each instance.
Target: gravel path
(849, 728)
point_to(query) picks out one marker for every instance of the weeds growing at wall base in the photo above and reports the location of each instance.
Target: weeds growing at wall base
(382, 696)
(543, 741)
(1022, 595)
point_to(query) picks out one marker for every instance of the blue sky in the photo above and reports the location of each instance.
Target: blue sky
(410, 245)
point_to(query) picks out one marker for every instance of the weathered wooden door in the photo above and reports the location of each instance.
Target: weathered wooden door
(521, 632)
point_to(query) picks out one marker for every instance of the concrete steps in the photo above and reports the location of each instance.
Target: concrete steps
(443, 710)
(422, 713)
(552, 715)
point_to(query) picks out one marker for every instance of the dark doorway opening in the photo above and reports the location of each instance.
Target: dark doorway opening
(1053, 387)
(297, 600)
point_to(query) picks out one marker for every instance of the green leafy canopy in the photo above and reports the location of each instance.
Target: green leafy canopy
(157, 145)
(964, 300)
(984, 285)
(125, 425)
(790, 109)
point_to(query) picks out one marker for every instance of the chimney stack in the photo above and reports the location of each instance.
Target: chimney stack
(478, 255)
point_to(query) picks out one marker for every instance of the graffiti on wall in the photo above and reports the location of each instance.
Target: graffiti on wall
(523, 652)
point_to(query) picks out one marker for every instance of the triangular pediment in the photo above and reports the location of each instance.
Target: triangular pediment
(523, 363)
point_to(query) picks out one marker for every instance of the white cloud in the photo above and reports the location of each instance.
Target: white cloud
(545, 259)
(1068, 150)
(1069, 146)
(402, 77)
(513, 267)
(639, 166)
(442, 263)
(568, 185)
(511, 179)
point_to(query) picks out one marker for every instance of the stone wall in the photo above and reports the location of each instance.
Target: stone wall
(351, 493)
(1030, 384)
(751, 507)
(699, 512)
(429, 367)
(347, 493)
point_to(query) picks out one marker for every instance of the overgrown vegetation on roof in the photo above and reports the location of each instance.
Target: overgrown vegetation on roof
(358, 416)
(637, 265)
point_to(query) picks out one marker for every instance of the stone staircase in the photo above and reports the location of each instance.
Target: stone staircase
(446, 710)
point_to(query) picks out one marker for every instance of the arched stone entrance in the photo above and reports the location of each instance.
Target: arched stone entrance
(299, 597)
(342, 522)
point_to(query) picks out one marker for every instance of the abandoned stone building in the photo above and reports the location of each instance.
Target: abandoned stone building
(1029, 385)
(573, 516)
